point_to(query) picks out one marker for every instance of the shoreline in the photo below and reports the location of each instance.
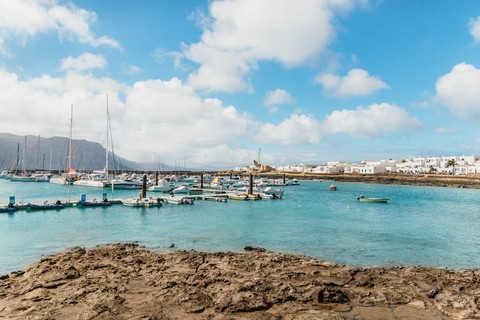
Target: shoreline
(426, 180)
(126, 281)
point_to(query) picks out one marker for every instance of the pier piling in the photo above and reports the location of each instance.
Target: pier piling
(144, 186)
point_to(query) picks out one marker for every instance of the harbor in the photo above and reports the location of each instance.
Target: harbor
(310, 219)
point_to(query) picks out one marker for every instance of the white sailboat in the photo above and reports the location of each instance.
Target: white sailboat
(70, 174)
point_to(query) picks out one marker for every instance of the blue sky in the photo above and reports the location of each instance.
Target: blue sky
(211, 82)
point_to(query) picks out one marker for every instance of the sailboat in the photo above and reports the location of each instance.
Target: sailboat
(70, 174)
(115, 182)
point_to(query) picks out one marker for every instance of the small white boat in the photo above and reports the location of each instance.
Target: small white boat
(275, 192)
(132, 202)
(162, 187)
(266, 196)
(182, 189)
(238, 196)
(126, 184)
(174, 200)
(150, 202)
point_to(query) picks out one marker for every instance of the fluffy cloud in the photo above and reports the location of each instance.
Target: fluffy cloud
(242, 32)
(24, 18)
(298, 129)
(474, 27)
(356, 83)
(86, 61)
(371, 122)
(368, 123)
(279, 96)
(458, 90)
(166, 117)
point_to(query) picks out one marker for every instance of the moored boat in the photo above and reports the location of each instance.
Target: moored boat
(132, 202)
(238, 196)
(332, 187)
(95, 203)
(8, 208)
(378, 200)
(45, 205)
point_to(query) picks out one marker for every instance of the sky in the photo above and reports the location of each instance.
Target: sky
(214, 82)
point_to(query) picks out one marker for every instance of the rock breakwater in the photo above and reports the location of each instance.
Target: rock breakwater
(125, 281)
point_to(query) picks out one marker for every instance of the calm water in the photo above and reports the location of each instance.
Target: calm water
(423, 226)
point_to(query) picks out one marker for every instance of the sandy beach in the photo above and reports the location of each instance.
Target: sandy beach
(125, 281)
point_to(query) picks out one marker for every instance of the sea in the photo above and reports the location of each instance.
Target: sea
(420, 226)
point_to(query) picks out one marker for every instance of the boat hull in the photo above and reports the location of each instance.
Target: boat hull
(377, 200)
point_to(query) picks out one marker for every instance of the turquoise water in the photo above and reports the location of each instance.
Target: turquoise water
(425, 226)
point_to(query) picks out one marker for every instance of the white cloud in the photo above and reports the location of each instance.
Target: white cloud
(298, 129)
(86, 61)
(279, 96)
(446, 130)
(368, 123)
(356, 83)
(474, 27)
(166, 117)
(239, 33)
(26, 18)
(459, 91)
(133, 70)
(371, 122)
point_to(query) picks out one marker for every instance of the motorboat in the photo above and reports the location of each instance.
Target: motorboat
(96, 179)
(126, 184)
(278, 193)
(162, 187)
(8, 208)
(132, 202)
(95, 203)
(151, 202)
(332, 187)
(238, 196)
(182, 189)
(45, 205)
(174, 200)
(378, 200)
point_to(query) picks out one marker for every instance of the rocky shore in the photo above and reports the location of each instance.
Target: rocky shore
(125, 281)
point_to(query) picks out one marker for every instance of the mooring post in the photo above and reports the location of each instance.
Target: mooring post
(201, 180)
(144, 186)
(156, 178)
(284, 178)
(250, 189)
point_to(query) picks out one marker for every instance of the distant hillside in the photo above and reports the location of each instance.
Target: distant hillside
(86, 155)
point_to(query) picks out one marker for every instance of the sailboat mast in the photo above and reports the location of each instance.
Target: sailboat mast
(106, 151)
(23, 158)
(68, 162)
(36, 159)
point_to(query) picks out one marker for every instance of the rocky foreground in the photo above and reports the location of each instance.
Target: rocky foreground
(124, 281)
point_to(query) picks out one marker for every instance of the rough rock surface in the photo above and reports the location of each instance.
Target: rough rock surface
(125, 281)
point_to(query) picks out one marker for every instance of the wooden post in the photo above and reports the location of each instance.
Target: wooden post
(144, 186)
(250, 189)
(201, 180)
(156, 178)
(284, 178)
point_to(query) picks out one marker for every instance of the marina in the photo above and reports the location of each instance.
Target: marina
(309, 219)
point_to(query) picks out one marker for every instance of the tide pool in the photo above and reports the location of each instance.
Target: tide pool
(425, 226)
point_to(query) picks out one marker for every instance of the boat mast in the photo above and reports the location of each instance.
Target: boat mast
(106, 150)
(36, 159)
(68, 162)
(23, 157)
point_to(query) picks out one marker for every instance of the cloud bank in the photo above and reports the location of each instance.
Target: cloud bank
(21, 19)
(241, 33)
